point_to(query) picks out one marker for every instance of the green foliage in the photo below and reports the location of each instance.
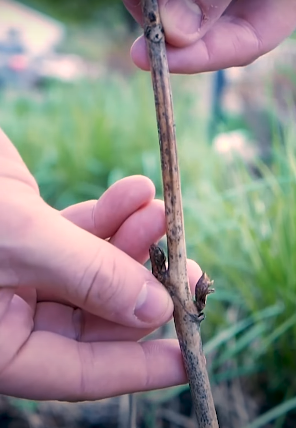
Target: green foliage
(274, 414)
(247, 239)
(78, 139)
(79, 11)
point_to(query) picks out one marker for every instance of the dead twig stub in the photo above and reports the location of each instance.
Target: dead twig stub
(187, 312)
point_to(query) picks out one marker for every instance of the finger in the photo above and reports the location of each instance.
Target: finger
(194, 274)
(16, 324)
(87, 271)
(135, 235)
(207, 54)
(137, 231)
(50, 367)
(145, 227)
(240, 46)
(80, 325)
(186, 21)
(104, 217)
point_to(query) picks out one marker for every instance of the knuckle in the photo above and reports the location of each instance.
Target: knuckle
(17, 226)
(78, 323)
(87, 359)
(147, 349)
(14, 311)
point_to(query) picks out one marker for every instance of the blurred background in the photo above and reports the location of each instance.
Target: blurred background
(82, 117)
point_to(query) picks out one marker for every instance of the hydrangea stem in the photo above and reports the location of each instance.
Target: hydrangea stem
(187, 313)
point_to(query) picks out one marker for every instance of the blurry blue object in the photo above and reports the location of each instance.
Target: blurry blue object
(217, 115)
(13, 43)
(12, 59)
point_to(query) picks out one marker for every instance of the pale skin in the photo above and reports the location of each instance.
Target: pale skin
(70, 281)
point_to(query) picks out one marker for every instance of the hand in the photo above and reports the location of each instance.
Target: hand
(74, 297)
(211, 35)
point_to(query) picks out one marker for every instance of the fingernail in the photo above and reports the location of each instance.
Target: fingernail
(153, 302)
(185, 15)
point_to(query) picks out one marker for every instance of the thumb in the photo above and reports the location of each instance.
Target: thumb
(186, 21)
(88, 272)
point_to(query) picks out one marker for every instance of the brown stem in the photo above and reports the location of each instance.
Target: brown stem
(187, 313)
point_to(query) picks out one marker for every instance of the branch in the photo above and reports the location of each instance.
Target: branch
(187, 313)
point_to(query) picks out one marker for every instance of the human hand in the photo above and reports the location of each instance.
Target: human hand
(73, 306)
(208, 36)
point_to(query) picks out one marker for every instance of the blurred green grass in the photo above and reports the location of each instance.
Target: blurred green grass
(78, 139)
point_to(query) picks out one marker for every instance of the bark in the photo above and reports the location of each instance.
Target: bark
(187, 312)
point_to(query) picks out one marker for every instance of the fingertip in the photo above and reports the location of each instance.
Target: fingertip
(154, 304)
(181, 21)
(140, 185)
(148, 183)
(156, 211)
(169, 369)
(119, 202)
(194, 274)
(139, 54)
(177, 39)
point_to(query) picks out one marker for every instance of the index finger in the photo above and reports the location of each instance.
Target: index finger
(51, 367)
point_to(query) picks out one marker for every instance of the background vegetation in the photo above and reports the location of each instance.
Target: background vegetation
(78, 138)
